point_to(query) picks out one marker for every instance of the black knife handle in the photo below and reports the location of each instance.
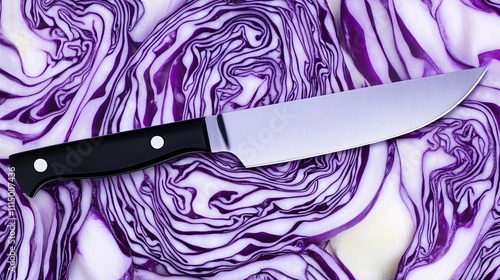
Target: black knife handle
(109, 155)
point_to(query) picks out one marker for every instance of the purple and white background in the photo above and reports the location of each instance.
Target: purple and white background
(423, 206)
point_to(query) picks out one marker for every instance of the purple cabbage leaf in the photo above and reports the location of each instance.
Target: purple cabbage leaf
(421, 206)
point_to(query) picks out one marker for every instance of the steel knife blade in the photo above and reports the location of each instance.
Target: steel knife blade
(259, 136)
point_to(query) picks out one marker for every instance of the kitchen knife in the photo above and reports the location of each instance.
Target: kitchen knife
(259, 136)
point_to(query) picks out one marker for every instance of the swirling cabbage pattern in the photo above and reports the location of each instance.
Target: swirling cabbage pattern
(458, 192)
(211, 57)
(454, 199)
(54, 81)
(218, 56)
(72, 69)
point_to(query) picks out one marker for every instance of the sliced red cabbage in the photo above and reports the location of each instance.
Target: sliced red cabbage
(74, 69)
